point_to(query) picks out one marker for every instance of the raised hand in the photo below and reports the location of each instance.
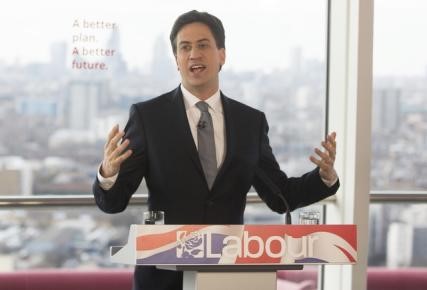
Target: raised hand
(327, 158)
(114, 153)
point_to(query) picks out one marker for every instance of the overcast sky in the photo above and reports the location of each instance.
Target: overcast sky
(259, 34)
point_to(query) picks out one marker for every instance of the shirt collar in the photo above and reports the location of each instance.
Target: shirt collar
(213, 101)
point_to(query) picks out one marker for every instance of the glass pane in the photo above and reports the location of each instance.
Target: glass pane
(398, 235)
(399, 123)
(62, 238)
(56, 110)
(397, 246)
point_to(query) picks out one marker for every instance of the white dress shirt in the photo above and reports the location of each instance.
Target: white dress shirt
(217, 114)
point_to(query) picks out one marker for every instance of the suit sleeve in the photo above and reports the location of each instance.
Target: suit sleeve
(131, 171)
(270, 181)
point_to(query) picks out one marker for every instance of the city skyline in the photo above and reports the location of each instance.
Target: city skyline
(256, 40)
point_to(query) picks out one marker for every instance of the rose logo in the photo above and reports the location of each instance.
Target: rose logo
(190, 245)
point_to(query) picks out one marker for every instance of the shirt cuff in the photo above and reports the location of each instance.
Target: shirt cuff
(106, 183)
(330, 182)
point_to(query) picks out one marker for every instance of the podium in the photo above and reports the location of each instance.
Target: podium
(229, 257)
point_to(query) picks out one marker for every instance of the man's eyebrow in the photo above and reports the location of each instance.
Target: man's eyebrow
(183, 42)
(187, 42)
(203, 39)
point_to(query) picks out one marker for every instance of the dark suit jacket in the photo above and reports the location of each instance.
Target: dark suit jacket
(165, 154)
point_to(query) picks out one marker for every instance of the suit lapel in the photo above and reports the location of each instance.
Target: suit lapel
(184, 129)
(229, 139)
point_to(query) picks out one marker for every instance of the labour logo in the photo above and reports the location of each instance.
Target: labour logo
(190, 244)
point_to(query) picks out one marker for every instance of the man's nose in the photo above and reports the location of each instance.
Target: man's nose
(195, 53)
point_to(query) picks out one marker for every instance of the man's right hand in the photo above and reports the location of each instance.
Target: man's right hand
(114, 153)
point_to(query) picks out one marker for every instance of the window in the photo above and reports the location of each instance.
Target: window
(397, 232)
(62, 237)
(67, 77)
(399, 123)
(398, 235)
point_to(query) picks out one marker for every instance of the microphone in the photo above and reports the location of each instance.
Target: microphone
(277, 192)
(201, 124)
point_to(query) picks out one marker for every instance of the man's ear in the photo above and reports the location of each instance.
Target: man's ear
(176, 61)
(222, 56)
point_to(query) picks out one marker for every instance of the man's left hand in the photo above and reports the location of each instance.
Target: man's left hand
(327, 159)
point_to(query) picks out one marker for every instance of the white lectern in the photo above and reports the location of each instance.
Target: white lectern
(229, 257)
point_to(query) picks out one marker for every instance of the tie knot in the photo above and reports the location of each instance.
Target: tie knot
(203, 106)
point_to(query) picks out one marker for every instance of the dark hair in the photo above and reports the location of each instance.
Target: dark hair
(214, 24)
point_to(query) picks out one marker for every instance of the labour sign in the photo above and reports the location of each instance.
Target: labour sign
(242, 244)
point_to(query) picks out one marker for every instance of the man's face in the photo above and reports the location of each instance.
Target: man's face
(198, 59)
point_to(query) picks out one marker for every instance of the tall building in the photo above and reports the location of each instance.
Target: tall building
(399, 245)
(115, 63)
(162, 65)
(296, 60)
(16, 176)
(82, 103)
(58, 58)
(386, 110)
(379, 222)
(419, 256)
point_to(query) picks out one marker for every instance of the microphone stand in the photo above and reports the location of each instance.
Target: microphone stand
(273, 187)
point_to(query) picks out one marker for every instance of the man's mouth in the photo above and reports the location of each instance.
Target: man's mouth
(197, 68)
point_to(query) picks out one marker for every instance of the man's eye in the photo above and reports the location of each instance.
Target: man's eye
(203, 45)
(185, 47)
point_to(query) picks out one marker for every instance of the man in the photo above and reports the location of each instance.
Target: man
(200, 151)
